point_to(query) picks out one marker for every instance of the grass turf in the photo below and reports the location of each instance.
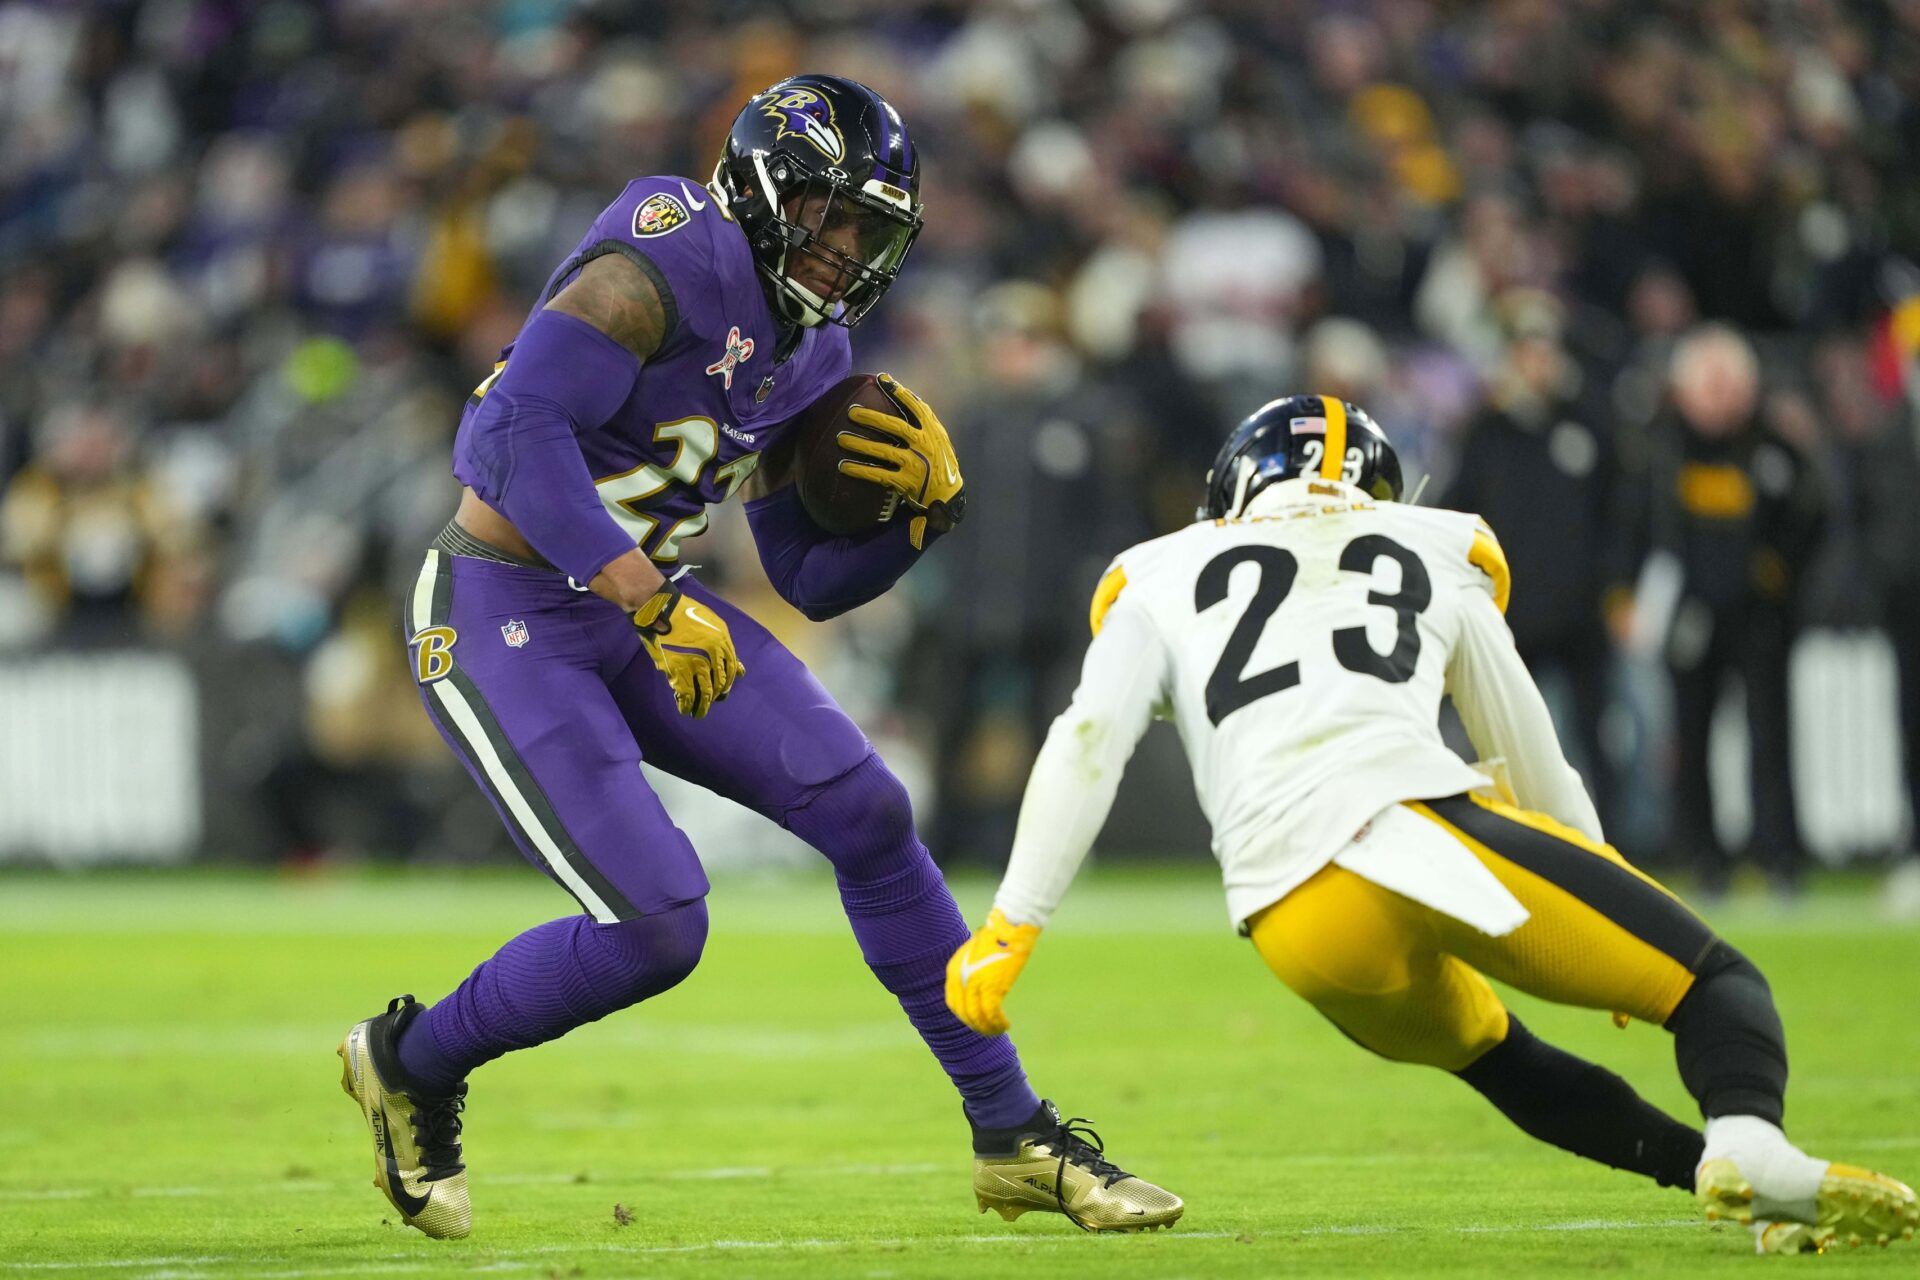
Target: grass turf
(169, 1104)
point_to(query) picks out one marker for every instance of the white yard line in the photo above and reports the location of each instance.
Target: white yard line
(225, 1040)
(600, 1180)
(501, 1259)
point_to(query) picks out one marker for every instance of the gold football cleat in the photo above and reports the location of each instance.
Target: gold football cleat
(1854, 1206)
(416, 1143)
(1057, 1166)
(1789, 1237)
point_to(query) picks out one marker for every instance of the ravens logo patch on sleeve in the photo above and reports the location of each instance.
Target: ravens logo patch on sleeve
(657, 215)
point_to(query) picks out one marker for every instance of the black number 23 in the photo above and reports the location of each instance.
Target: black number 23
(1229, 688)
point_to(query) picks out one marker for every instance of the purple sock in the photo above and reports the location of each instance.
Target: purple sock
(547, 981)
(908, 925)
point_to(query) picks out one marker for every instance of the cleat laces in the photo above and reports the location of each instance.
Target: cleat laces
(436, 1128)
(1078, 1143)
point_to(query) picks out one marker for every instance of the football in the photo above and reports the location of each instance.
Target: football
(841, 504)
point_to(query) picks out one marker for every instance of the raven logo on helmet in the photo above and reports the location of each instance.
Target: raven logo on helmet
(802, 113)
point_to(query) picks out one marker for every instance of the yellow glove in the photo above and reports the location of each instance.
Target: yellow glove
(922, 468)
(690, 644)
(982, 971)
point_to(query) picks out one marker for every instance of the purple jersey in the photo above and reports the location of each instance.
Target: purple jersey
(711, 398)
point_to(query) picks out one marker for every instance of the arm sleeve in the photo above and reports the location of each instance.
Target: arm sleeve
(1078, 771)
(1507, 718)
(821, 575)
(519, 448)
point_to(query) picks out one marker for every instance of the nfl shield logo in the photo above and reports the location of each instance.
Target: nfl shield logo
(514, 633)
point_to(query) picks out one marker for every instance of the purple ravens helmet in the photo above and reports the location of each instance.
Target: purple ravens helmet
(821, 167)
(1301, 436)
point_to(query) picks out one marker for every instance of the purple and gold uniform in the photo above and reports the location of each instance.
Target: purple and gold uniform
(545, 693)
(708, 402)
(591, 445)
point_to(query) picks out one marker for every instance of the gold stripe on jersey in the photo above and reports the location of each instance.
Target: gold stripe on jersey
(1333, 460)
(1486, 556)
(1104, 595)
(486, 384)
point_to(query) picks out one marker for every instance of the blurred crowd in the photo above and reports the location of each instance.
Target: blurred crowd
(1634, 280)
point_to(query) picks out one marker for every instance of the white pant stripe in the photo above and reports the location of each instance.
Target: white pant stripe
(472, 734)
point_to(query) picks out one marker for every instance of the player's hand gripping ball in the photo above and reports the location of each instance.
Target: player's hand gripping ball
(983, 970)
(918, 462)
(691, 646)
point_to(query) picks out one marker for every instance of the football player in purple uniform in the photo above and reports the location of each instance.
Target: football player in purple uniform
(557, 641)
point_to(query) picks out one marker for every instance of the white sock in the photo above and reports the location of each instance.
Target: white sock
(1786, 1180)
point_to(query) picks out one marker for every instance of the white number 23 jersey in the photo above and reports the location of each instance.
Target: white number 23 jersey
(1302, 651)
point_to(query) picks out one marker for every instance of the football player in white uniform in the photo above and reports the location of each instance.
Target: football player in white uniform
(1300, 635)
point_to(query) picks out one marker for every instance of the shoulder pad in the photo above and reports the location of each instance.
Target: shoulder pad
(1112, 583)
(1485, 555)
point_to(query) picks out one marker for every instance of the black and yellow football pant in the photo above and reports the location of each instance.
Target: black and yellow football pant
(1410, 983)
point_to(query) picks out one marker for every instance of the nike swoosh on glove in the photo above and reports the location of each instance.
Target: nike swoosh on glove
(983, 970)
(691, 646)
(922, 468)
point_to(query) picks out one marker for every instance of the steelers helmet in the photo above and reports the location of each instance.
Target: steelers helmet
(1301, 436)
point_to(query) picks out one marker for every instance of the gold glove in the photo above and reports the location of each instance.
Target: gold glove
(983, 970)
(690, 644)
(922, 468)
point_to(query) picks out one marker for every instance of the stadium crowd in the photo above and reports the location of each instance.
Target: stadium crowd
(1636, 281)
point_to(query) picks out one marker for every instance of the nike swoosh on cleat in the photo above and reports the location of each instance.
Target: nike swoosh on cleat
(411, 1205)
(968, 970)
(692, 203)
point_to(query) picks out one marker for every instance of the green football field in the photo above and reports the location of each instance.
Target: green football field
(170, 1105)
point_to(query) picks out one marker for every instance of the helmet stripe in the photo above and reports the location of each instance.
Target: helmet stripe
(899, 168)
(1333, 460)
(885, 141)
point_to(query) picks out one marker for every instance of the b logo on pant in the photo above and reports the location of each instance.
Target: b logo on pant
(433, 655)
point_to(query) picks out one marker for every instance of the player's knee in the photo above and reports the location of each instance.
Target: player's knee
(652, 953)
(675, 948)
(862, 821)
(1723, 977)
(1728, 1041)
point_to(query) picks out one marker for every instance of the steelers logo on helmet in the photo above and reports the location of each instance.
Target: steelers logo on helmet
(804, 114)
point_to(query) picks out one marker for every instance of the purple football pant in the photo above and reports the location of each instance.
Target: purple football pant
(547, 696)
